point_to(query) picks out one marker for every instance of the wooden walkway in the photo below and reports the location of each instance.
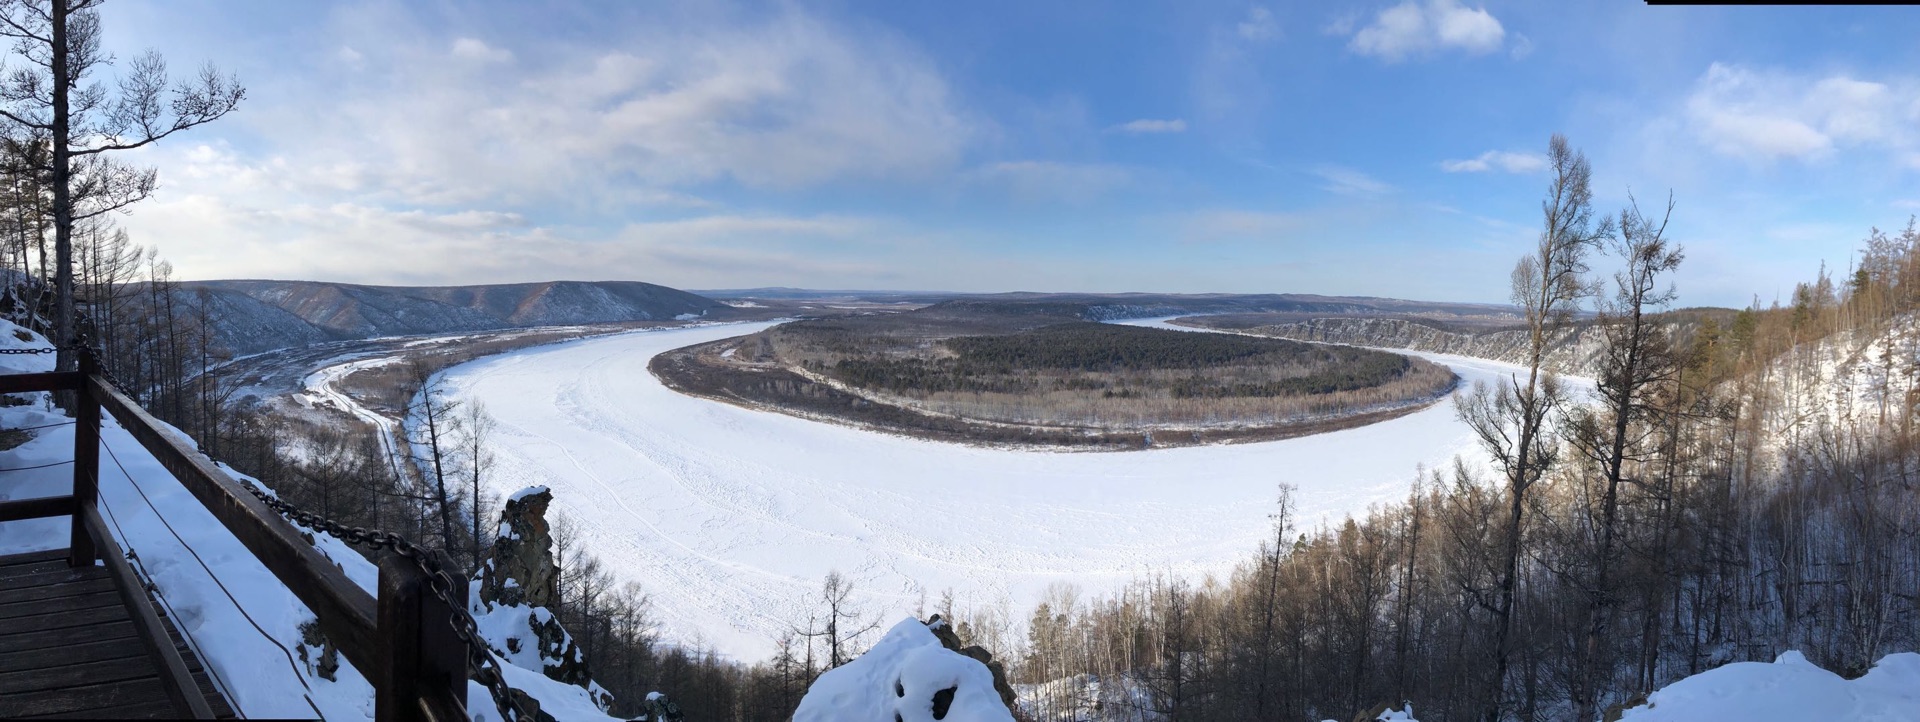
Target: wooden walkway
(69, 646)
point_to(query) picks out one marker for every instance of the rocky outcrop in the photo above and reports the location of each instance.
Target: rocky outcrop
(944, 631)
(516, 589)
(520, 568)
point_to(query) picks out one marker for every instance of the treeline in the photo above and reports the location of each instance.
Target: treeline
(1109, 356)
(1724, 494)
(1110, 347)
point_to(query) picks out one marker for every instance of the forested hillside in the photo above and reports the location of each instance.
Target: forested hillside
(1732, 492)
(261, 315)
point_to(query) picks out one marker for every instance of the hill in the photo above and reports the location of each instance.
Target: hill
(260, 315)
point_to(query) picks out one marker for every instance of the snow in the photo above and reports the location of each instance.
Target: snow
(730, 517)
(499, 624)
(526, 492)
(898, 678)
(237, 617)
(1791, 689)
(1087, 698)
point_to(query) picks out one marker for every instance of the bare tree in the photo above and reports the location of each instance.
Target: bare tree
(479, 462)
(845, 623)
(432, 425)
(1637, 356)
(46, 100)
(1510, 419)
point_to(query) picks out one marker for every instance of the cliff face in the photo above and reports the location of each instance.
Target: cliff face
(1571, 350)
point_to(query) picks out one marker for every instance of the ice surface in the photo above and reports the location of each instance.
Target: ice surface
(731, 517)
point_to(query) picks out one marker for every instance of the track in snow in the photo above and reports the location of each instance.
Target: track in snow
(729, 518)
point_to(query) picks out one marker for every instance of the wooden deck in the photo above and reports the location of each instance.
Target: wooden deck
(69, 646)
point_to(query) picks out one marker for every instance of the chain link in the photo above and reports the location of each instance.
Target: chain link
(480, 659)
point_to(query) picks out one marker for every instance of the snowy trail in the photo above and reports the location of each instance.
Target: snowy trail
(730, 517)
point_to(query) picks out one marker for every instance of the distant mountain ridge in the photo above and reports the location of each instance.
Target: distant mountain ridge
(1120, 306)
(261, 315)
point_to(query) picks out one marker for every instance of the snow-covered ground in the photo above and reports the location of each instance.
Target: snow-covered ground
(237, 616)
(1791, 689)
(730, 517)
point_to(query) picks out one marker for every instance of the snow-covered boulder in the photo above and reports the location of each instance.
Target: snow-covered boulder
(908, 676)
(1791, 689)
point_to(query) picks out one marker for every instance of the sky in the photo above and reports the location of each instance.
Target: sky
(1352, 148)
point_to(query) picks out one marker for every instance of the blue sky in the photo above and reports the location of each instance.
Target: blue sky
(1368, 148)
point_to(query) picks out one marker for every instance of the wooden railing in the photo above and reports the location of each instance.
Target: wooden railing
(404, 643)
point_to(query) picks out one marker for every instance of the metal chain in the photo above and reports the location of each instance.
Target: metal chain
(479, 656)
(480, 659)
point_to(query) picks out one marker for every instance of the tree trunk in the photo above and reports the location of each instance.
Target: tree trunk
(63, 328)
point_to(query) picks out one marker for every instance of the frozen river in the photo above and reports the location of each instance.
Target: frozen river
(730, 518)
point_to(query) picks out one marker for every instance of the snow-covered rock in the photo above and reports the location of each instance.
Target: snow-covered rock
(512, 596)
(908, 676)
(1791, 689)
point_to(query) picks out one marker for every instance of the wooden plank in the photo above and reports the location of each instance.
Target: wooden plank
(103, 598)
(346, 612)
(74, 675)
(425, 679)
(31, 557)
(64, 619)
(44, 381)
(35, 508)
(36, 567)
(55, 591)
(178, 684)
(74, 654)
(139, 710)
(95, 699)
(62, 637)
(66, 575)
(84, 547)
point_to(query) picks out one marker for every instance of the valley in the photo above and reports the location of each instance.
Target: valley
(730, 516)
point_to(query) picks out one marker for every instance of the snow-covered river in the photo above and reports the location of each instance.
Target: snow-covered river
(730, 518)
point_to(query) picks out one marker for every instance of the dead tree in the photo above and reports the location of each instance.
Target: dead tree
(46, 99)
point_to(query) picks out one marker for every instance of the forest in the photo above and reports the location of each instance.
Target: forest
(1732, 491)
(1036, 370)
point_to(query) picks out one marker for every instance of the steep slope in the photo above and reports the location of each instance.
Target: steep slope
(259, 315)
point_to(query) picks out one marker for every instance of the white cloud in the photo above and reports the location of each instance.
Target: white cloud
(1259, 25)
(1152, 125)
(446, 159)
(1767, 115)
(1507, 161)
(1051, 181)
(785, 101)
(1415, 28)
(477, 51)
(1347, 181)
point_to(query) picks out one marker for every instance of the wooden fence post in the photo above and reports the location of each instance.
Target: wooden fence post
(86, 466)
(425, 673)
